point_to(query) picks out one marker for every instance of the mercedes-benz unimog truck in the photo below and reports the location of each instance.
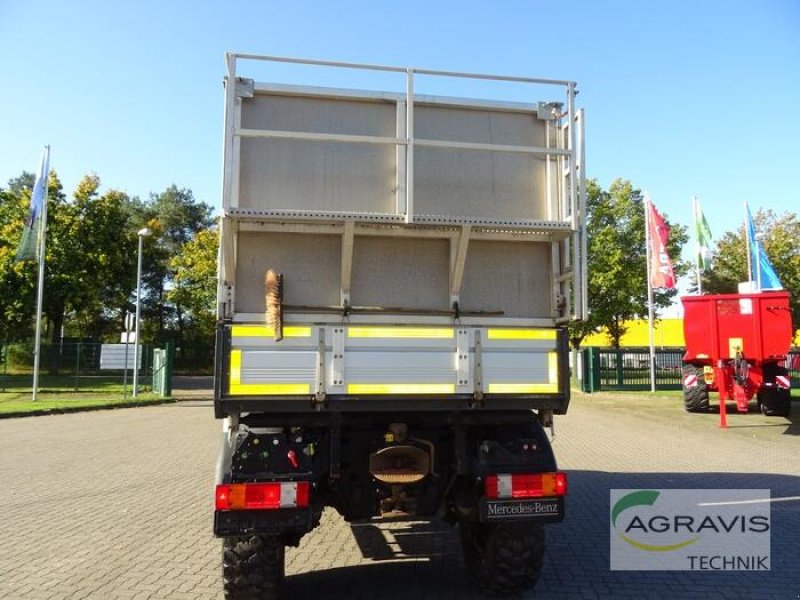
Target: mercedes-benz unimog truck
(396, 272)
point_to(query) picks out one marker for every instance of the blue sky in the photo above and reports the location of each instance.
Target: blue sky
(682, 98)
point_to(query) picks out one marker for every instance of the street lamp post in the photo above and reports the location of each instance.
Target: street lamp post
(142, 233)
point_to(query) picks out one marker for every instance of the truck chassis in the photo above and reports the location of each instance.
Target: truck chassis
(396, 272)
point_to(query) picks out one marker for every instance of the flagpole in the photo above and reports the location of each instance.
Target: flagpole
(747, 240)
(37, 348)
(758, 256)
(649, 296)
(698, 258)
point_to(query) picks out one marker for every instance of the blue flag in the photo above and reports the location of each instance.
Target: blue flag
(762, 271)
(31, 235)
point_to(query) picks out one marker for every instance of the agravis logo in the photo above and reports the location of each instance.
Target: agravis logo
(644, 498)
(677, 529)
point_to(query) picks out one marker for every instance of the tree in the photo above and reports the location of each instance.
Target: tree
(195, 276)
(90, 266)
(17, 282)
(781, 240)
(617, 260)
(89, 258)
(102, 253)
(194, 290)
(175, 217)
(18, 279)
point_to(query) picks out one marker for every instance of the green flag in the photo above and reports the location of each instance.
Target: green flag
(703, 239)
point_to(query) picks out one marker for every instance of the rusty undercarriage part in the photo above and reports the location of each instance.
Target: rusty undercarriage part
(400, 464)
(273, 283)
(403, 460)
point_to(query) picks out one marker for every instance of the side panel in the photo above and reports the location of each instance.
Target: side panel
(485, 185)
(759, 325)
(309, 265)
(312, 175)
(505, 278)
(316, 363)
(776, 326)
(512, 277)
(411, 273)
(315, 175)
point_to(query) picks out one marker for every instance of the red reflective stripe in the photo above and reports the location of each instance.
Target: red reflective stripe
(783, 381)
(222, 497)
(262, 496)
(690, 381)
(526, 485)
(303, 492)
(561, 484)
(490, 486)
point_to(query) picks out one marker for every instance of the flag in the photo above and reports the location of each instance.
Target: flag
(661, 273)
(703, 238)
(762, 271)
(31, 235)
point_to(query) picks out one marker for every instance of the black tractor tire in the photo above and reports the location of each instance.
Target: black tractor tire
(252, 567)
(775, 401)
(695, 398)
(505, 559)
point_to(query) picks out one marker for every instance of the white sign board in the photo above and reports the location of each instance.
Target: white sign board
(692, 530)
(112, 356)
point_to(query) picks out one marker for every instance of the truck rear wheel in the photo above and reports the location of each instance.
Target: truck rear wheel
(505, 559)
(695, 390)
(775, 401)
(252, 567)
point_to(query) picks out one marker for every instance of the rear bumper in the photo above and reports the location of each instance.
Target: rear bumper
(234, 523)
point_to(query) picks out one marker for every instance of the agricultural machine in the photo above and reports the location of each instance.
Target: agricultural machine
(737, 345)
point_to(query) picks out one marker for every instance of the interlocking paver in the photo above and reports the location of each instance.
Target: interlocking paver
(117, 504)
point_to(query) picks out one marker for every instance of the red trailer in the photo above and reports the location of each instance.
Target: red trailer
(736, 344)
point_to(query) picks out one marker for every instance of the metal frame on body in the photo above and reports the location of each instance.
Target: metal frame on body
(564, 227)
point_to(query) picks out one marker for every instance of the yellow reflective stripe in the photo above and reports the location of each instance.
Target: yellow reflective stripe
(401, 388)
(523, 388)
(236, 367)
(400, 332)
(552, 367)
(268, 331)
(522, 334)
(269, 389)
(237, 388)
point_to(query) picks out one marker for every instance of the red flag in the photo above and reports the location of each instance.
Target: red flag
(661, 274)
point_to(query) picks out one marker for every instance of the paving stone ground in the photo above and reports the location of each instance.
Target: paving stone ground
(117, 504)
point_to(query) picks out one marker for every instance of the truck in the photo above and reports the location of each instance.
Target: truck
(396, 274)
(738, 345)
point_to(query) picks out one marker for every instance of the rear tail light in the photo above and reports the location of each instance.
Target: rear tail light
(525, 485)
(262, 496)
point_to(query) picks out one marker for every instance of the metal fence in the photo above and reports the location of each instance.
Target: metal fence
(628, 369)
(74, 366)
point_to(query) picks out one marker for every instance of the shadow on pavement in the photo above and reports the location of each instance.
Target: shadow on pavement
(424, 561)
(193, 387)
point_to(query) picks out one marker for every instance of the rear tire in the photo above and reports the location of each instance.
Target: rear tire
(695, 397)
(775, 401)
(505, 559)
(252, 567)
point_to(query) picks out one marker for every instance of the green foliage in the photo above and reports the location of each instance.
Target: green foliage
(782, 243)
(175, 218)
(617, 260)
(195, 271)
(194, 292)
(90, 273)
(18, 279)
